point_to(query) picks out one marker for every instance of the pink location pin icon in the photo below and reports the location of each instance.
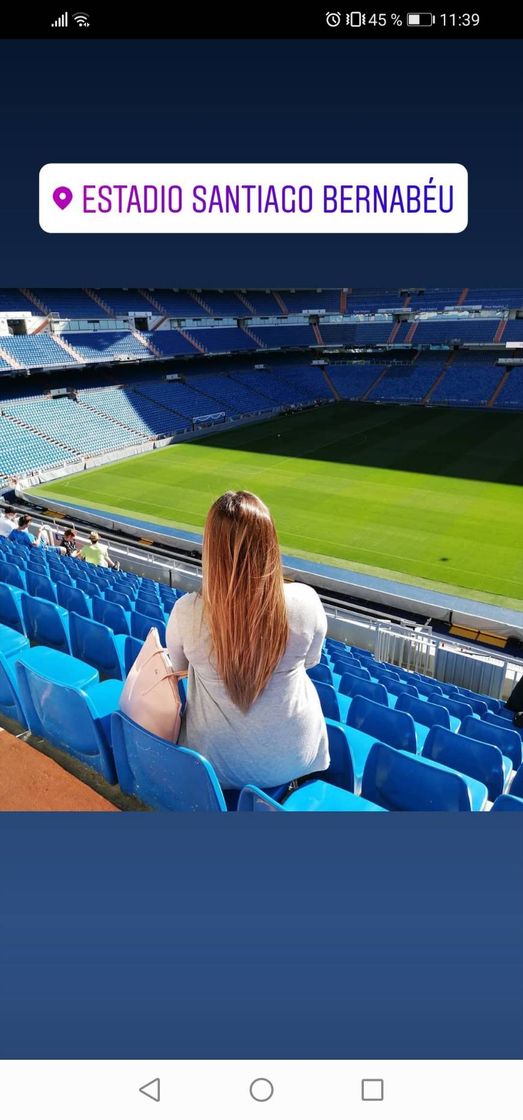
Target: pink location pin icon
(62, 196)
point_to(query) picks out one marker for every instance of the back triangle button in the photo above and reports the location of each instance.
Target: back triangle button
(151, 1089)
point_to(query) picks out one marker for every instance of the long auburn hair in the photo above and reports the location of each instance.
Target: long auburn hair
(243, 597)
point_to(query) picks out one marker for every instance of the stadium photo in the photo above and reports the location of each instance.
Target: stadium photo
(382, 429)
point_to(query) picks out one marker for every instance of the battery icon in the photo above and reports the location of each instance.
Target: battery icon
(420, 19)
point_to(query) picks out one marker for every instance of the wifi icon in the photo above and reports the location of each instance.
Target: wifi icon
(81, 19)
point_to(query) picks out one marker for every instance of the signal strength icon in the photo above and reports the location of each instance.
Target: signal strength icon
(62, 21)
(81, 18)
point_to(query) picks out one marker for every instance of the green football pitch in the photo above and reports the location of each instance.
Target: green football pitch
(431, 496)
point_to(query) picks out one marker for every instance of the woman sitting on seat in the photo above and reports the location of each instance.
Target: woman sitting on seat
(246, 641)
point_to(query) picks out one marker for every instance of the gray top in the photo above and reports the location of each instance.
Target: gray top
(283, 735)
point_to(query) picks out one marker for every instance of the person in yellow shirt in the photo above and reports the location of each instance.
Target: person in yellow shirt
(97, 553)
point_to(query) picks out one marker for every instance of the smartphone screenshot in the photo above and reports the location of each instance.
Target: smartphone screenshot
(261, 563)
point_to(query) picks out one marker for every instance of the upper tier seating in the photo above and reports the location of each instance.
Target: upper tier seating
(447, 330)
(264, 303)
(355, 334)
(70, 303)
(513, 331)
(222, 340)
(181, 305)
(224, 304)
(125, 301)
(286, 336)
(13, 300)
(104, 346)
(171, 343)
(36, 350)
(325, 299)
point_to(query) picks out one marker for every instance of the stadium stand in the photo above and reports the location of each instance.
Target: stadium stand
(263, 303)
(104, 346)
(225, 304)
(513, 331)
(35, 350)
(222, 340)
(391, 750)
(170, 343)
(467, 382)
(181, 305)
(354, 380)
(230, 393)
(355, 334)
(411, 382)
(23, 451)
(448, 330)
(281, 336)
(323, 299)
(69, 303)
(13, 300)
(123, 301)
(511, 395)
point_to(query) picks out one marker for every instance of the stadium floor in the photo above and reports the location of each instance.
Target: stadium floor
(431, 495)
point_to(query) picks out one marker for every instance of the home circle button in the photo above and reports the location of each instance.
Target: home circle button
(261, 1089)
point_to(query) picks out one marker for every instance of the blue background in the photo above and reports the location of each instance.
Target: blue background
(221, 936)
(129, 101)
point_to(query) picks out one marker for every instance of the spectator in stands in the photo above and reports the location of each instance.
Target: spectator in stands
(7, 521)
(246, 641)
(97, 553)
(68, 543)
(21, 535)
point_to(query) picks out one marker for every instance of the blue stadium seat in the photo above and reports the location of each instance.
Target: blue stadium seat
(402, 781)
(425, 715)
(313, 797)
(39, 585)
(112, 615)
(64, 702)
(508, 804)
(346, 666)
(131, 649)
(456, 708)
(320, 673)
(469, 756)
(341, 770)
(328, 700)
(396, 689)
(351, 685)
(73, 599)
(97, 645)
(387, 724)
(125, 601)
(153, 610)
(11, 607)
(507, 740)
(11, 641)
(141, 624)
(46, 623)
(517, 783)
(12, 574)
(162, 774)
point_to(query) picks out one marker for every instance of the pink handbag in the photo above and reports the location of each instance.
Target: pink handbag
(150, 694)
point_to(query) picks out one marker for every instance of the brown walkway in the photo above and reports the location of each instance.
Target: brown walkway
(30, 781)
